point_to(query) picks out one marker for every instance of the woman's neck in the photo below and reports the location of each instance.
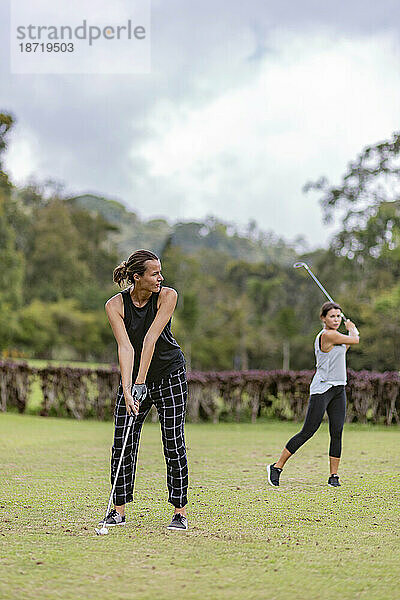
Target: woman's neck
(140, 297)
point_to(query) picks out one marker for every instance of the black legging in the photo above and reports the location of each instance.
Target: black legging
(333, 401)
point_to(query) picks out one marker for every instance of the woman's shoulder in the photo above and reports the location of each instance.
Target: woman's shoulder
(115, 302)
(168, 292)
(327, 334)
(167, 296)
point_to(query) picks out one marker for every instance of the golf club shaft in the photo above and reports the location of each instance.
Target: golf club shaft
(321, 287)
(131, 418)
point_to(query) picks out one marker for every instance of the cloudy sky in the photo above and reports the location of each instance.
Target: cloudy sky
(245, 103)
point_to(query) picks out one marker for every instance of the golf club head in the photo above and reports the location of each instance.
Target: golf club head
(298, 265)
(102, 530)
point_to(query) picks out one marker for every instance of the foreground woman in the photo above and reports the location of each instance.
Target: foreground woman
(152, 372)
(327, 392)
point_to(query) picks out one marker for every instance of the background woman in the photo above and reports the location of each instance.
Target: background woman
(152, 372)
(327, 392)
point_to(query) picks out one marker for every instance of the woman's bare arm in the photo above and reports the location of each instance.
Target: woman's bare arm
(330, 337)
(114, 309)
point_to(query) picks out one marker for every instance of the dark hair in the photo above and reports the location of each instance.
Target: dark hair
(136, 263)
(325, 308)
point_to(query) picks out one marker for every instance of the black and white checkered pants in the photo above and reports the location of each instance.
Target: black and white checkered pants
(169, 397)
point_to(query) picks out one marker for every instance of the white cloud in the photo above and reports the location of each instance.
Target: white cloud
(22, 158)
(237, 114)
(314, 103)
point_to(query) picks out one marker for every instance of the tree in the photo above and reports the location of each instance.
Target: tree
(11, 278)
(61, 329)
(287, 324)
(369, 197)
(364, 259)
(189, 315)
(55, 269)
(11, 260)
(381, 331)
(6, 123)
(98, 252)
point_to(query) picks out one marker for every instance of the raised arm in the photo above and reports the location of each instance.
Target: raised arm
(332, 338)
(168, 299)
(114, 310)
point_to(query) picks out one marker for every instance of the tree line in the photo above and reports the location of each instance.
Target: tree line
(241, 303)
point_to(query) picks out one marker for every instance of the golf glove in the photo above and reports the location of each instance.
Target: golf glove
(353, 329)
(139, 391)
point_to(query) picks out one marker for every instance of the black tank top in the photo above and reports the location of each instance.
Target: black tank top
(167, 357)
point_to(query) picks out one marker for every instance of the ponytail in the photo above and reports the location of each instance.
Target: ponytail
(136, 263)
(120, 273)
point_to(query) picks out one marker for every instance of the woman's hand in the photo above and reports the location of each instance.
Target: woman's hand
(131, 403)
(351, 327)
(133, 399)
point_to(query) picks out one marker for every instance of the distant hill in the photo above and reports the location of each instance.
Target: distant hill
(253, 245)
(112, 210)
(133, 233)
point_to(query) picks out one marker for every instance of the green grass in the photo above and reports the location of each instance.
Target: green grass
(246, 539)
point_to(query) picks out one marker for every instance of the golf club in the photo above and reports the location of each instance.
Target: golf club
(299, 265)
(103, 529)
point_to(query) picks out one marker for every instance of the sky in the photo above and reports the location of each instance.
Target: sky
(244, 104)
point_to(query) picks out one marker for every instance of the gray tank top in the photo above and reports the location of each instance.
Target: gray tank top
(331, 367)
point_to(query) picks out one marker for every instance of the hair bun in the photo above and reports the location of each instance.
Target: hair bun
(120, 273)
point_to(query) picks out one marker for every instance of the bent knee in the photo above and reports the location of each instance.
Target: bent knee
(306, 434)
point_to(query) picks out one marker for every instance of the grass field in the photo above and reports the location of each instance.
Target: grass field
(247, 540)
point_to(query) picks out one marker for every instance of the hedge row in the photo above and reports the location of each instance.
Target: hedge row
(90, 393)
